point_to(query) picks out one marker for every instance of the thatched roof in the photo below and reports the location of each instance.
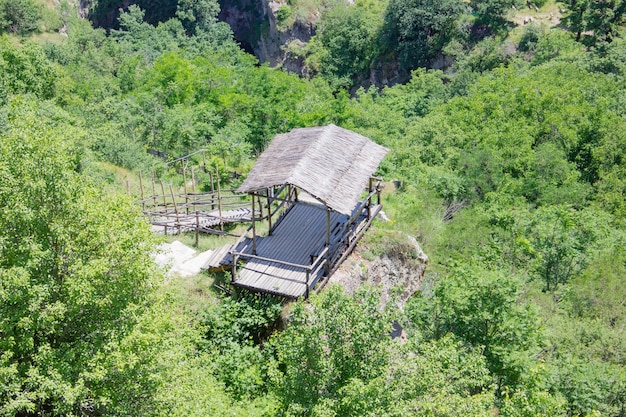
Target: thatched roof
(328, 162)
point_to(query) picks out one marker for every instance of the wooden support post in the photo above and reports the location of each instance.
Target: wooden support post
(197, 228)
(153, 189)
(128, 189)
(328, 255)
(253, 227)
(269, 212)
(219, 199)
(378, 189)
(163, 193)
(369, 199)
(164, 202)
(308, 277)
(212, 191)
(289, 196)
(193, 181)
(234, 273)
(143, 202)
(175, 208)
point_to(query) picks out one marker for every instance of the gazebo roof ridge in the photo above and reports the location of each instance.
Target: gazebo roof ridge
(331, 163)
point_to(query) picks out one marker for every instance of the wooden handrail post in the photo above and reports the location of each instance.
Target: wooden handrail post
(153, 189)
(164, 198)
(212, 190)
(197, 228)
(308, 276)
(175, 208)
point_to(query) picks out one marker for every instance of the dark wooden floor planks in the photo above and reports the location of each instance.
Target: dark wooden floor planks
(298, 239)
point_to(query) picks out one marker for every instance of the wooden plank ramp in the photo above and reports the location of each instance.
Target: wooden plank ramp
(206, 221)
(219, 258)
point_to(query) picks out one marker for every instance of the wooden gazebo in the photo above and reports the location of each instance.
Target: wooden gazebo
(316, 190)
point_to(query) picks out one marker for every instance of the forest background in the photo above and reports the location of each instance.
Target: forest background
(512, 163)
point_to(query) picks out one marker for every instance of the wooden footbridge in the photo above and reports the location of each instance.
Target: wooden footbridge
(314, 187)
(199, 212)
(202, 212)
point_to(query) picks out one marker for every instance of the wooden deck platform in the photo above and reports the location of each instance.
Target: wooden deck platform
(294, 258)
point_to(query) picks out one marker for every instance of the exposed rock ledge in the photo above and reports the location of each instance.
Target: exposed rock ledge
(254, 25)
(399, 273)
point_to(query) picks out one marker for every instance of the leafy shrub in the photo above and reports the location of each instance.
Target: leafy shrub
(20, 17)
(283, 14)
(243, 318)
(530, 37)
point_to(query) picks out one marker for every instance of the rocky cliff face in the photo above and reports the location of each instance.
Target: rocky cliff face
(254, 25)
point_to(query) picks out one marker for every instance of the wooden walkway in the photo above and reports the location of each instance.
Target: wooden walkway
(206, 221)
(206, 212)
(294, 258)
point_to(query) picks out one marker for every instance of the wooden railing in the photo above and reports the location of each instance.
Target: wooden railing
(310, 270)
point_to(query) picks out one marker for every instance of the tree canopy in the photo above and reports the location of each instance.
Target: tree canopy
(508, 164)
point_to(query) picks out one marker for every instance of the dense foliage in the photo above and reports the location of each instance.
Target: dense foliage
(512, 161)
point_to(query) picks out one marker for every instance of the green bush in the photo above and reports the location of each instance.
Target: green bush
(20, 17)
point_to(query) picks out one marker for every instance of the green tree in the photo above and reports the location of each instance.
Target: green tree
(20, 17)
(329, 343)
(482, 308)
(602, 18)
(25, 69)
(198, 16)
(136, 35)
(75, 268)
(493, 12)
(348, 35)
(337, 358)
(418, 30)
(564, 239)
